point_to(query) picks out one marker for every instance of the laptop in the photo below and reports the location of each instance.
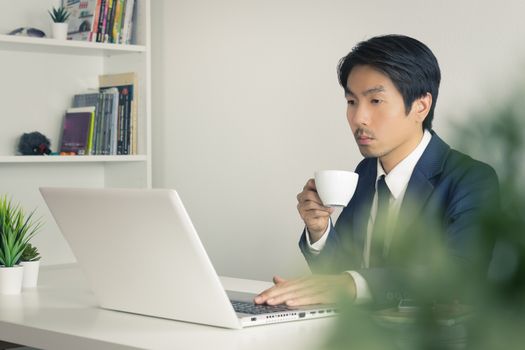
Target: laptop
(141, 254)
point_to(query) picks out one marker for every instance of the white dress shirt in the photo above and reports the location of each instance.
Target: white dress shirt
(397, 182)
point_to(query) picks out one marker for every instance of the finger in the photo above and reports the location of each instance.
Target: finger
(269, 293)
(310, 209)
(313, 205)
(291, 289)
(308, 290)
(263, 296)
(278, 279)
(314, 215)
(310, 185)
(280, 289)
(307, 195)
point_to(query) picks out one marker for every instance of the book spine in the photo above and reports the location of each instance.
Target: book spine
(120, 139)
(89, 148)
(98, 124)
(123, 21)
(107, 125)
(118, 21)
(114, 120)
(94, 28)
(134, 125)
(105, 22)
(127, 118)
(132, 24)
(101, 20)
(128, 17)
(111, 20)
(102, 133)
(119, 117)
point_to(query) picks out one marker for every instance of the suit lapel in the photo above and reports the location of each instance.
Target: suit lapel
(416, 196)
(420, 185)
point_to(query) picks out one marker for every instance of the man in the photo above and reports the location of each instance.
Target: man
(409, 176)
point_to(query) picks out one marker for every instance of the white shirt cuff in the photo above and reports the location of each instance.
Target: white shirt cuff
(362, 292)
(315, 248)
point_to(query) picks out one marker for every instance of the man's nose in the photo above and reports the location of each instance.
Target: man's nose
(360, 116)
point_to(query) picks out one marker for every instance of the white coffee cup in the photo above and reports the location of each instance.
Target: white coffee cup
(335, 187)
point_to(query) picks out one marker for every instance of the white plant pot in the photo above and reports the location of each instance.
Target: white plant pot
(11, 279)
(31, 269)
(59, 30)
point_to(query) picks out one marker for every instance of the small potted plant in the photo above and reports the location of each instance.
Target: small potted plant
(30, 260)
(59, 17)
(16, 229)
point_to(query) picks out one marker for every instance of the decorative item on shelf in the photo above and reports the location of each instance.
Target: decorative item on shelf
(30, 260)
(34, 144)
(59, 25)
(83, 19)
(27, 31)
(16, 230)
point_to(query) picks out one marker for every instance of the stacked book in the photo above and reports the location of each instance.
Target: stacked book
(105, 21)
(103, 122)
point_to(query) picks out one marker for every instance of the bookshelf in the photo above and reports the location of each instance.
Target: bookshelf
(9, 42)
(76, 159)
(39, 78)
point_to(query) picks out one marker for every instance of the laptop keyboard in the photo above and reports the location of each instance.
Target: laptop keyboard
(256, 309)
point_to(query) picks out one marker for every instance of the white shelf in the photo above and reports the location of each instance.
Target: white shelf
(39, 78)
(71, 159)
(10, 42)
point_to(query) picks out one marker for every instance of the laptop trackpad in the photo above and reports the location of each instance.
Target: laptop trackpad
(241, 296)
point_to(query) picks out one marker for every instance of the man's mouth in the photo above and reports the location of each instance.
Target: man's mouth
(364, 140)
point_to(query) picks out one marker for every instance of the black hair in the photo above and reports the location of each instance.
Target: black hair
(409, 63)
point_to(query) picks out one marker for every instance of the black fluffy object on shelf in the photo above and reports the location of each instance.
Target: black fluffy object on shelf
(34, 144)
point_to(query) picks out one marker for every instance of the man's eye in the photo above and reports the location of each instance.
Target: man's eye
(375, 101)
(351, 102)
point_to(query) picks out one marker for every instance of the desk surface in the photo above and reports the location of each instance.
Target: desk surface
(62, 314)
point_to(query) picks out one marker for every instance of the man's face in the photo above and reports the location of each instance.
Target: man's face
(376, 113)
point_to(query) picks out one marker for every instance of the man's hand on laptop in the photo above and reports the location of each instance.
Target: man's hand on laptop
(314, 289)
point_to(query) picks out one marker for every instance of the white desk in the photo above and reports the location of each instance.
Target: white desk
(62, 314)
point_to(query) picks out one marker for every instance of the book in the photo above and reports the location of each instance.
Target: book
(94, 30)
(127, 22)
(111, 111)
(106, 103)
(109, 21)
(117, 26)
(77, 131)
(127, 86)
(81, 19)
(102, 20)
(91, 99)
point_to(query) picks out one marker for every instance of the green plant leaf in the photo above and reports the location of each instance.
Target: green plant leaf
(16, 230)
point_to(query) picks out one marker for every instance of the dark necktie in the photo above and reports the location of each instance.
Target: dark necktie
(380, 224)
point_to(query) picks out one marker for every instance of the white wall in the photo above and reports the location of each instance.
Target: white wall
(246, 104)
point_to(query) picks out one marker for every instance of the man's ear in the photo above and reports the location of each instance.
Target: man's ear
(421, 107)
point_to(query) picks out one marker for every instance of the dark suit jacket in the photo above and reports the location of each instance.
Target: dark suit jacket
(446, 193)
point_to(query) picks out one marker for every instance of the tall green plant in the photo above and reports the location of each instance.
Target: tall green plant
(16, 230)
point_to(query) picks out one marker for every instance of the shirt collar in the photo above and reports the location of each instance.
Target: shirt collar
(397, 179)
